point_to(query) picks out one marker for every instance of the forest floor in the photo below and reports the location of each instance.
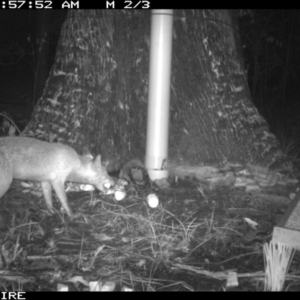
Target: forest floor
(196, 239)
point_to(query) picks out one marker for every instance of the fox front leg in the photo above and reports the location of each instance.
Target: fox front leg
(59, 189)
(47, 192)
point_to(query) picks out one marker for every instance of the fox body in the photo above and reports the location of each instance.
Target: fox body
(52, 164)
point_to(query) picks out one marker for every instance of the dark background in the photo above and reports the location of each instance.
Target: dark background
(20, 39)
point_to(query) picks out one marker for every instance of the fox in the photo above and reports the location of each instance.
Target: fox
(51, 164)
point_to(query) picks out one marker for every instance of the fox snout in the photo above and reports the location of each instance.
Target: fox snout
(108, 182)
(105, 183)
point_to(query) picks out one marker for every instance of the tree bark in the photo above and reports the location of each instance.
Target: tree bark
(96, 94)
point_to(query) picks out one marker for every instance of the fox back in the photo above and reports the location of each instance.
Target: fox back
(52, 164)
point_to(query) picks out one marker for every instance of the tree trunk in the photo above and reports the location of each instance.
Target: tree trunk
(213, 118)
(45, 37)
(96, 94)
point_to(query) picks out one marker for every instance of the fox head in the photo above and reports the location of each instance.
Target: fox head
(95, 172)
(101, 180)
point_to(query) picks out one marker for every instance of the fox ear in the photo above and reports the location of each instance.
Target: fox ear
(98, 159)
(86, 152)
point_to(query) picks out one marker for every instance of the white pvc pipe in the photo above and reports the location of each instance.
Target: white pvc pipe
(159, 91)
